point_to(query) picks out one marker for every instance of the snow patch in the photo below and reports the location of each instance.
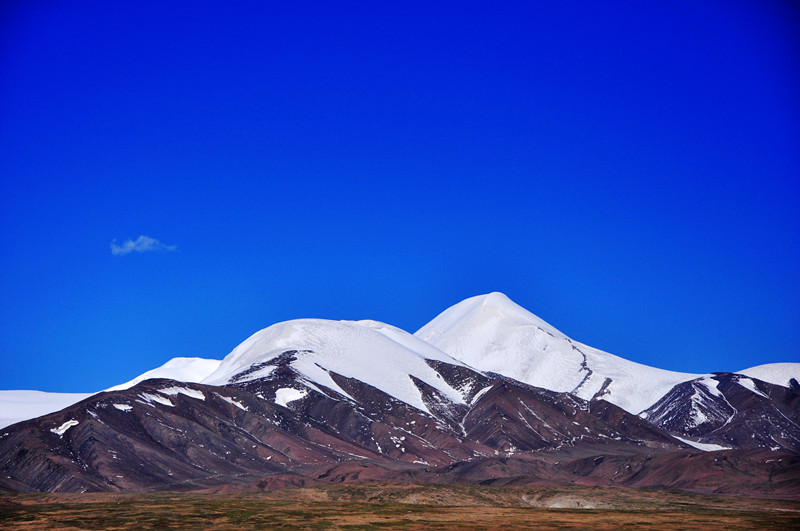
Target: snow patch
(123, 407)
(173, 391)
(155, 398)
(285, 395)
(706, 447)
(61, 430)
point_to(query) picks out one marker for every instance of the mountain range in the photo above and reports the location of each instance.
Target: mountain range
(486, 392)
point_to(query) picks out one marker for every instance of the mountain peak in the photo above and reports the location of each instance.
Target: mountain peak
(492, 333)
(483, 311)
(495, 297)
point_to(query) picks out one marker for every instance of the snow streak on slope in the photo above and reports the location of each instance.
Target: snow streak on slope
(16, 406)
(179, 369)
(375, 353)
(774, 373)
(492, 333)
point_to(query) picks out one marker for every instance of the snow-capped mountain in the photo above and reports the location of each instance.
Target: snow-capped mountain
(492, 333)
(485, 391)
(281, 413)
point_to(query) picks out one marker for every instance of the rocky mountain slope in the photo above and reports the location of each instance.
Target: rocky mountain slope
(731, 411)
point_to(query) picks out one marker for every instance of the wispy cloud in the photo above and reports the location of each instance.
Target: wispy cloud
(142, 244)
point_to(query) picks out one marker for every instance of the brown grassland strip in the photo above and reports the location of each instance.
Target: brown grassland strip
(398, 507)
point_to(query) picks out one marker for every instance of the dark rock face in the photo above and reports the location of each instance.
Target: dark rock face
(168, 435)
(731, 410)
(134, 439)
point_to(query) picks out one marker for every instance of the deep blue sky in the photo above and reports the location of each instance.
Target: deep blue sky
(630, 172)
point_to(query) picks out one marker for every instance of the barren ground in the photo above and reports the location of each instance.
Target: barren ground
(391, 506)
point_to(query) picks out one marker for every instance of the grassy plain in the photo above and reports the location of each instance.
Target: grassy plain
(391, 506)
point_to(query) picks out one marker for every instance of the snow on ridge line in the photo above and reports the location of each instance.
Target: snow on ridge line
(409, 341)
(190, 370)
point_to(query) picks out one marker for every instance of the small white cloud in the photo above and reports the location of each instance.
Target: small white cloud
(142, 244)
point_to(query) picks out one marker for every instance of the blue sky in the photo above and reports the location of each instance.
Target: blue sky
(628, 172)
